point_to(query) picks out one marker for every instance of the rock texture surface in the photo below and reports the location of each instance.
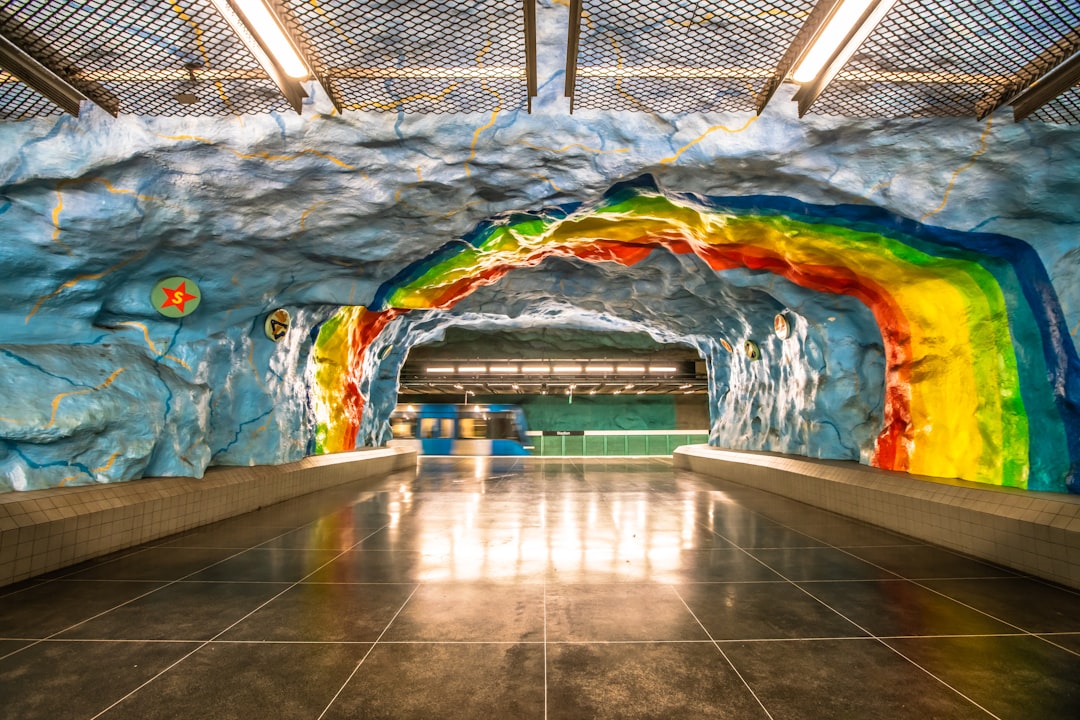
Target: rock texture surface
(318, 212)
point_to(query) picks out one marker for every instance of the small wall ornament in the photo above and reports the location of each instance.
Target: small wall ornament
(277, 324)
(176, 296)
(781, 327)
(752, 350)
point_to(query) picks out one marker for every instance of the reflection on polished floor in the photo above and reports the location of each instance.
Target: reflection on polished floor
(508, 588)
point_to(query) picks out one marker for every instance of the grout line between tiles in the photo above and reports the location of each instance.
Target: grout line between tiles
(223, 631)
(872, 635)
(918, 583)
(721, 651)
(357, 668)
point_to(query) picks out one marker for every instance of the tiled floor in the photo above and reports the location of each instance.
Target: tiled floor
(560, 589)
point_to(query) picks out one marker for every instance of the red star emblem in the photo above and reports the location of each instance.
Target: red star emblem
(177, 296)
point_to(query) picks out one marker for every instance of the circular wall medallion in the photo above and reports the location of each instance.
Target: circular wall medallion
(277, 324)
(752, 350)
(176, 296)
(726, 345)
(781, 327)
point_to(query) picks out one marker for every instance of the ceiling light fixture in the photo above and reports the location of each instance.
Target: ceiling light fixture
(503, 368)
(536, 369)
(847, 26)
(567, 368)
(662, 368)
(440, 369)
(631, 368)
(263, 33)
(472, 368)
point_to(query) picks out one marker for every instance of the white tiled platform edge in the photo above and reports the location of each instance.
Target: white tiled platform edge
(42, 530)
(1035, 532)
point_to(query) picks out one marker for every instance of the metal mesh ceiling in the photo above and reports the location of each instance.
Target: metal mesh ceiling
(180, 57)
(18, 101)
(177, 57)
(690, 56)
(1065, 109)
(426, 56)
(942, 57)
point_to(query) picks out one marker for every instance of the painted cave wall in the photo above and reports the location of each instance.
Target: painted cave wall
(929, 271)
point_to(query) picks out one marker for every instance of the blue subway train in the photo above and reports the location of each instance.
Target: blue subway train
(473, 429)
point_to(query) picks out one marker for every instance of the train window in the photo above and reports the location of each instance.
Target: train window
(436, 427)
(429, 428)
(472, 427)
(403, 427)
(503, 427)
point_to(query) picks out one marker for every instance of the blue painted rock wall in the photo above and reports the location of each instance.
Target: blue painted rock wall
(316, 211)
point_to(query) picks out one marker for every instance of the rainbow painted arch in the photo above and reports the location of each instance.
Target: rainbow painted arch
(982, 381)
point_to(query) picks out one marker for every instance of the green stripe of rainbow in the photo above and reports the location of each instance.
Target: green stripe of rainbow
(955, 394)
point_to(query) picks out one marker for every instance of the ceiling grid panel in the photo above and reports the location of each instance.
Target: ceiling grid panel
(686, 56)
(945, 57)
(416, 56)
(171, 57)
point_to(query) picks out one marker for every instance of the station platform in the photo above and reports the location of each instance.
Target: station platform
(539, 588)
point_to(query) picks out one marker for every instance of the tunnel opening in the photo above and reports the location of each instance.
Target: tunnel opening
(955, 315)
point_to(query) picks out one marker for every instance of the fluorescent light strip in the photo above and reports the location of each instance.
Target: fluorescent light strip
(503, 368)
(440, 370)
(536, 369)
(472, 368)
(631, 368)
(567, 368)
(265, 24)
(662, 368)
(600, 368)
(829, 46)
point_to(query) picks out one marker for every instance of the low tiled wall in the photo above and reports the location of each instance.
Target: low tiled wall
(42, 530)
(1034, 532)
